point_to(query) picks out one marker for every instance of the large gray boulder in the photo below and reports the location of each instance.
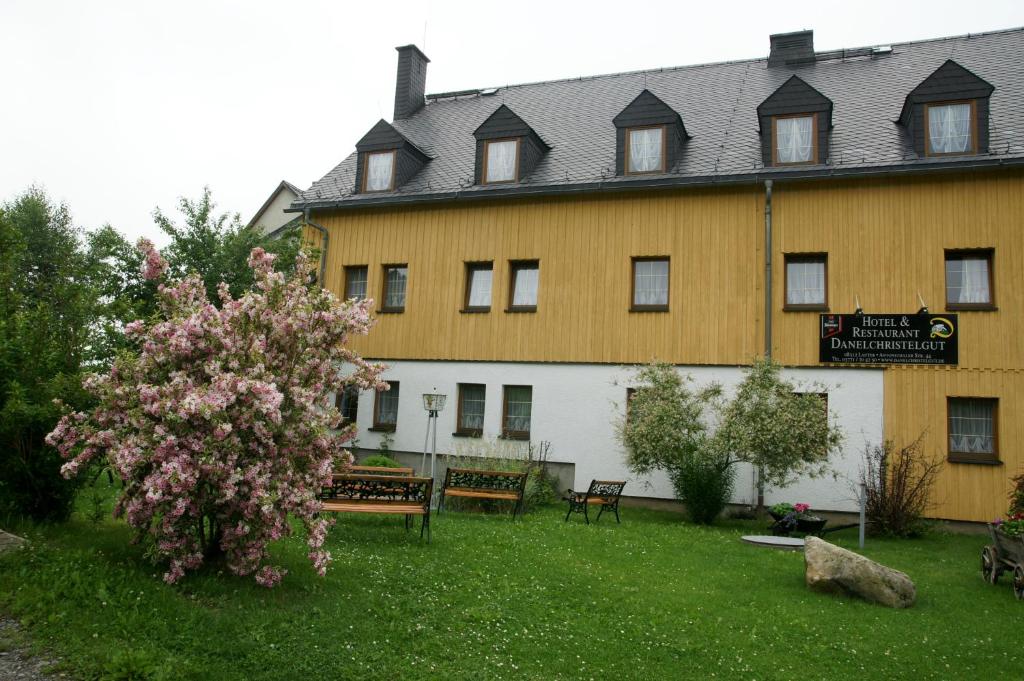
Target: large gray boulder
(9, 542)
(831, 569)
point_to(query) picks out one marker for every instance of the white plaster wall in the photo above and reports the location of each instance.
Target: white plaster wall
(274, 215)
(576, 408)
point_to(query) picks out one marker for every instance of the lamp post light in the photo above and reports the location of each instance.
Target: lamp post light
(433, 403)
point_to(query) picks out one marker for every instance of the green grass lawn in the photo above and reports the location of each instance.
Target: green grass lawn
(653, 598)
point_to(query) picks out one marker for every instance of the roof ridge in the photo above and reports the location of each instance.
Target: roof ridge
(433, 97)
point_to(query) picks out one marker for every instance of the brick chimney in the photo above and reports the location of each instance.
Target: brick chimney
(410, 84)
(791, 48)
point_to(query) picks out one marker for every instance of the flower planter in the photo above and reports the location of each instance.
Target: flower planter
(1009, 546)
(811, 525)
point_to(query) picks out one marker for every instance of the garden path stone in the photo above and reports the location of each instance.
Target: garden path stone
(831, 569)
(15, 662)
(9, 541)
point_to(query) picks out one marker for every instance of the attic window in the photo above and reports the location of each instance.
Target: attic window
(950, 128)
(645, 150)
(795, 139)
(379, 175)
(501, 159)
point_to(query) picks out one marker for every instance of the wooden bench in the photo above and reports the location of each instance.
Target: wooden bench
(476, 484)
(369, 493)
(603, 493)
(379, 470)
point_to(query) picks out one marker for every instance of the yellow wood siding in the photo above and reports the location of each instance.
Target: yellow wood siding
(885, 241)
(584, 246)
(915, 402)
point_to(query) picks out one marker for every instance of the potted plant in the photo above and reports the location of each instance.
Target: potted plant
(1008, 536)
(795, 518)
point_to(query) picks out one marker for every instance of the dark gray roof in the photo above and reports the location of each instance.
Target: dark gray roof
(718, 104)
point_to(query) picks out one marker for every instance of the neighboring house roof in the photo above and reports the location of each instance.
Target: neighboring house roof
(272, 220)
(719, 103)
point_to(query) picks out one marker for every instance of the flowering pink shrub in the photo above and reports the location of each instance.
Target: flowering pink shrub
(220, 426)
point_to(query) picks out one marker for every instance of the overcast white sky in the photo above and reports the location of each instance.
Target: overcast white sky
(117, 107)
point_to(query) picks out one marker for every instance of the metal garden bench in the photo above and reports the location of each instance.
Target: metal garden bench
(603, 493)
(475, 484)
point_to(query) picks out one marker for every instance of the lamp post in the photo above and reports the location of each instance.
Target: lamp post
(433, 403)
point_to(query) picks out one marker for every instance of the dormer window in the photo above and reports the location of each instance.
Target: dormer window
(386, 160)
(950, 128)
(795, 121)
(649, 136)
(501, 161)
(507, 149)
(645, 150)
(794, 139)
(380, 172)
(947, 113)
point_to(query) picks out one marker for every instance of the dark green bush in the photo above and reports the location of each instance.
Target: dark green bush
(704, 484)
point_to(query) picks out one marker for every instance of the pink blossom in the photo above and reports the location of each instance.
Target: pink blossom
(153, 264)
(222, 417)
(800, 508)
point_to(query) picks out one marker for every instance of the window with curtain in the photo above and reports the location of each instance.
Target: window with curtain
(472, 399)
(395, 281)
(385, 413)
(525, 279)
(355, 282)
(518, 408)
(794, 139)
(968, 279)
(645, 150)
(478, 286)
(972, 429)
(650, 283)
(805, 281)
(501, 161)
(949, 128)
(380, 168)
(347, 402)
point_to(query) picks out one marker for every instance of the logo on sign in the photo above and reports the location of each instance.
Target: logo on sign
(831, 325)
(941, 328)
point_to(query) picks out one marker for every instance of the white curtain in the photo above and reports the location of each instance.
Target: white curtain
(805, 283)
(395, 297)
(480, 288)
(378, 171)
(967, 280)
(501, 161)
(970, 427)
(525, 290)
(650, 282)
(355, 283)
(472, 407)
(949, 128)
(387, 412)
(518, 405)
(645, 150)
(795, 139)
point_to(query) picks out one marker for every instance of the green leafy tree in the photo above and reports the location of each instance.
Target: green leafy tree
(666, 429)
(783, 433)
(46, 311)
(217, 246)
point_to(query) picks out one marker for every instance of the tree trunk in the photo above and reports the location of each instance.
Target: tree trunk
(760, 492)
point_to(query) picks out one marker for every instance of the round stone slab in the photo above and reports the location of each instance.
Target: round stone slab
(771, 542)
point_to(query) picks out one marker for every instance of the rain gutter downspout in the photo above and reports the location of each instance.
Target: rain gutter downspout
(759, 473)
(323, 251)
(768, 268)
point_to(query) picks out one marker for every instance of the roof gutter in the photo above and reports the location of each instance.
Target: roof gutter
(606, 185)
(326, 240)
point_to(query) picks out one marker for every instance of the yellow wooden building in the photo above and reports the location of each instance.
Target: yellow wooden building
(526, 244)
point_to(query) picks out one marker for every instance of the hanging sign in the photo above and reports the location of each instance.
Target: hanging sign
(889, 338)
